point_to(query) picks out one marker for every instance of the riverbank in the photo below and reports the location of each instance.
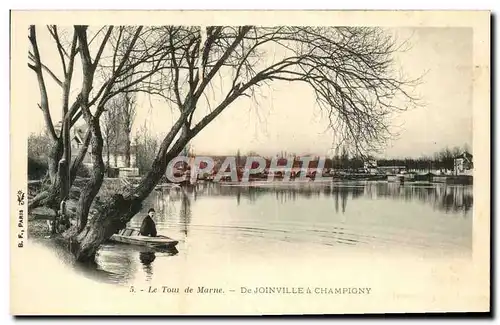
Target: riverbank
(37, 218)
(456, 179)
(38, 229)
(406, 178)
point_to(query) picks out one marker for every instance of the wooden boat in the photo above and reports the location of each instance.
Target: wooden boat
(133, 237)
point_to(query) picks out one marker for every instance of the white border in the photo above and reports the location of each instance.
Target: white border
(493, 5)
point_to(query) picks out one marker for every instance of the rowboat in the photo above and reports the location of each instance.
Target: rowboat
(133, 237)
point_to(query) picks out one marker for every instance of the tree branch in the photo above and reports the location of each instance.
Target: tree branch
(77, 161)
(101, 48)
(108, 85)
(220, 62)
(60, 49)
(44, 104)
(176, 72)
(57, 80)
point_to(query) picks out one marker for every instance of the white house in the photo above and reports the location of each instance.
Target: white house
(463, 164)
(116, 158)
(370, 166)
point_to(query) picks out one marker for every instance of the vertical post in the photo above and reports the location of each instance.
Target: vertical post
(64, 189)
(66, 125)
(62, 212)
(67, 155)
(64, 168)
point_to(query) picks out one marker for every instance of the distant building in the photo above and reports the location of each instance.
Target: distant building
(77, 134)
(370, 167)
(388, 170)
(463, 164)
(117, 158)
(77, 141)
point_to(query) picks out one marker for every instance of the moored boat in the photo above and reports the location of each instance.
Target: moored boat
(395, 178)
(133, 237)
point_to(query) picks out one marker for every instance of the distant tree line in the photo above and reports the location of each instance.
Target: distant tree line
(442, 160)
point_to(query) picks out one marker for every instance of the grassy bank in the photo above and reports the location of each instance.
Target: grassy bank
(38, 229)
(37, 219)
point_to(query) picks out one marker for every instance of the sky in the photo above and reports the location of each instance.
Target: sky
(285, 117)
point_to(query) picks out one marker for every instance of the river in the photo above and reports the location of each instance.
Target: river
(219, 225)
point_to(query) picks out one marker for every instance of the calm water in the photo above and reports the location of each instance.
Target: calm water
(218, 226)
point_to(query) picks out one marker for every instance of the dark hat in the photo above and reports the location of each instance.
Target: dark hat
(151, 210)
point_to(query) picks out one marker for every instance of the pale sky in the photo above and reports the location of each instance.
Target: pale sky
(287, 119)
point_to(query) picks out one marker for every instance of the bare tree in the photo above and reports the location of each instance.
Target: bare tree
(349, 69)
(110, 124)
(456, 151)
(466, 148)
(128, 113)
(59, 169)
(147, 147)
(111, 64)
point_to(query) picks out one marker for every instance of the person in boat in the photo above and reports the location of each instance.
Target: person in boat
(148, 227)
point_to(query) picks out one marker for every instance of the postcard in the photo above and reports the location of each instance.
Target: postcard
(249, 162)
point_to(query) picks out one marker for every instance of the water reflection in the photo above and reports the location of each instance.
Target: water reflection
(210, 219)
(146, 259)
(185, 211)
(123, 267)
(446, 198)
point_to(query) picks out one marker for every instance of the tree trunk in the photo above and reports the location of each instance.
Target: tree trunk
(92, 187)
(64, 168)
(77, 162)
(159, 166)
(107, 156)
(114, 213)
(116, 157)
(112, 216)
(49, 198)
(64, 179)
(127, 150)
(55, 155)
